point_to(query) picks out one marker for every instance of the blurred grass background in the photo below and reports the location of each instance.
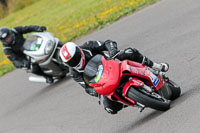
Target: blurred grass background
(66, 19)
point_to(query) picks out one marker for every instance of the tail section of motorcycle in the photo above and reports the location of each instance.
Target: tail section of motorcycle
(170, 90)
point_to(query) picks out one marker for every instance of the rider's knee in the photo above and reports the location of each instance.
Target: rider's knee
(131, 51)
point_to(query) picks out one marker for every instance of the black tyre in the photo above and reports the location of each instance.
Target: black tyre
(147, 100)
(64, 74)
(175, 89)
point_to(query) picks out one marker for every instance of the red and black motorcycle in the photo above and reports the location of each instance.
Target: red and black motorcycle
(130, 83)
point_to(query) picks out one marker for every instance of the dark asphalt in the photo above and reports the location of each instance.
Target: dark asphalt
(168, 31)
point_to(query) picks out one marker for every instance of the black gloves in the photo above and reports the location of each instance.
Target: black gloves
(41, 29)
(91, 91)
(111, 46)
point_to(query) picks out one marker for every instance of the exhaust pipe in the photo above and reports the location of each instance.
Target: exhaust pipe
(37, 79)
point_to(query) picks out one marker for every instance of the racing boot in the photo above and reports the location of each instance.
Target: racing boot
(164, 67)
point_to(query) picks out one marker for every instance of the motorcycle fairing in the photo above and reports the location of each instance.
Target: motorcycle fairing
(107, 74)
(39, 55)
(32, 43)
(133, 82)
(140, 70)
(109, 79)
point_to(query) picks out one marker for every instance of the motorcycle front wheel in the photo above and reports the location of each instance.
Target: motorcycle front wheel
(154, 100)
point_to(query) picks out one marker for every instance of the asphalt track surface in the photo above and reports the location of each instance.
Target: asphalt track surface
(168, 31)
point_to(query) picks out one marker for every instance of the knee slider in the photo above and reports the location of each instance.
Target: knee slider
(131, 51)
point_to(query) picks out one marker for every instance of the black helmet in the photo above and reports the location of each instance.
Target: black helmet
(7, 36)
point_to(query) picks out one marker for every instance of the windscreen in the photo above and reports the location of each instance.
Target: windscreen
(32, 43)
(94, 69)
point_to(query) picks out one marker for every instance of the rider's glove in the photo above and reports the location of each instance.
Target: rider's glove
(111, 47)
(91, 91)
(42, 28)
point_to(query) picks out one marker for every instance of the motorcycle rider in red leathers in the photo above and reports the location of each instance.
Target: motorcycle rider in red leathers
(76, 57)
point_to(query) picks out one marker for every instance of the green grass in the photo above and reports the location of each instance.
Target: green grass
(6, 68)
(69, 19)
(13, 6)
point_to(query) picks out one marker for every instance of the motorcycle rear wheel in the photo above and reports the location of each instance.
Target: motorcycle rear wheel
(147, 100)
(175, 89)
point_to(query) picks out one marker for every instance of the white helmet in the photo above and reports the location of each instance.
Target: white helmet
(72, 56)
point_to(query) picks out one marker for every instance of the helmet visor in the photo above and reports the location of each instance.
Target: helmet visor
(8, 39)
(75, 60)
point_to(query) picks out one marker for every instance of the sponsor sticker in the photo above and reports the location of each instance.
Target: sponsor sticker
(39, 41)
(99, 73)
(154, 79)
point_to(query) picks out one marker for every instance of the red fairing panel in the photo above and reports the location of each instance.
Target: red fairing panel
(110, 79)
(156, 81)
(143, 71)
(133, 82)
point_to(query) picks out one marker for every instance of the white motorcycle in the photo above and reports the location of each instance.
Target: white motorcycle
(43, 48)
